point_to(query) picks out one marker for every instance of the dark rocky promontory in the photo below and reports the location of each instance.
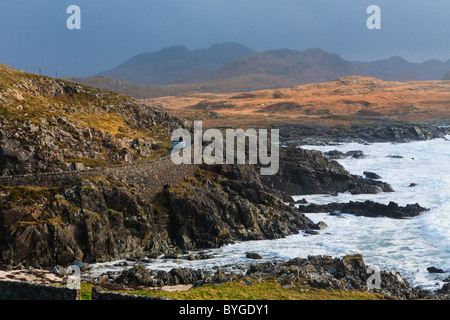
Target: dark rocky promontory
(367, 209)
(310, 172)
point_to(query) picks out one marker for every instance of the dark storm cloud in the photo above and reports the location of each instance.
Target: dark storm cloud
(33, 34)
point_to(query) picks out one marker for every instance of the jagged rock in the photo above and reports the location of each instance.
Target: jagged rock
(445, 288)
(335, 155)
(103, 219)
(252, 255)
(348, 273)
(382, 131)
(394, 156)
(371, 175)
(357, 154)
(77, 166)
(59, 271)
(435, 270)
(141, 276)
(30, 143)
(232, 205)
(321, 225)
(367, 209)
(304, 172)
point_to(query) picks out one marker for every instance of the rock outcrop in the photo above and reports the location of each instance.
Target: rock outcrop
(103, 219)
(349, 273)
(141, 276)
(224, 204)
(367, 209)
(51, 125)
(310, 172)
(94, 220)
(380, 131)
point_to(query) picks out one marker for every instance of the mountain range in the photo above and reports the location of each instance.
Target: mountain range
(231, 67)
(176, 64)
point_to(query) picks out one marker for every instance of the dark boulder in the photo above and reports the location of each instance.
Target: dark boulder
(357, 154)
(435, 270)
(394, 156)
(252, 255)
(371, 175)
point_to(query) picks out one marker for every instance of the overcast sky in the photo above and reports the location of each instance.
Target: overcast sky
(33, 34)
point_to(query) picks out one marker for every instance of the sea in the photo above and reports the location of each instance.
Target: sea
(409, 246)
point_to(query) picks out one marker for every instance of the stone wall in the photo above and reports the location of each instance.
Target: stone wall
(99, 294)
(149, 176)
(14, 290)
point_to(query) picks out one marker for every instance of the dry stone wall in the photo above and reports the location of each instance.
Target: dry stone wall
(149, 176)
(14, 290)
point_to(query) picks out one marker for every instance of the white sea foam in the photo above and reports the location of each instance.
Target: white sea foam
(409, 245)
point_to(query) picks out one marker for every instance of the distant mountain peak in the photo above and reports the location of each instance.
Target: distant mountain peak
(175, 49)
(176, 64)
(229, 45)
(396, 59)
(314, 51)
(232, 64)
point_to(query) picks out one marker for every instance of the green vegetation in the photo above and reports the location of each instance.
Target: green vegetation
(86, 291)
(89, 162)
(270, 290)
(27, 195)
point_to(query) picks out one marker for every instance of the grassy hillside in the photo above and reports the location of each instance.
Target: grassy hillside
(53, 125)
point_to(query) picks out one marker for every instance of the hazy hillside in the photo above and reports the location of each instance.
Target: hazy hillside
(176, 64)
(135, 90)
(232, 67)
(399, 69)
(313, 65)
(447, 76)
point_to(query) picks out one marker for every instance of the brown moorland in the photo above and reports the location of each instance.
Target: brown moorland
(347, 100)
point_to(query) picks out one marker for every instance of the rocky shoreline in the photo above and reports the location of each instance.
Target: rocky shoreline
(348, 274)
(220, 205)
(366, 209)
(53, 126)
(385, 130)
(102, 218)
